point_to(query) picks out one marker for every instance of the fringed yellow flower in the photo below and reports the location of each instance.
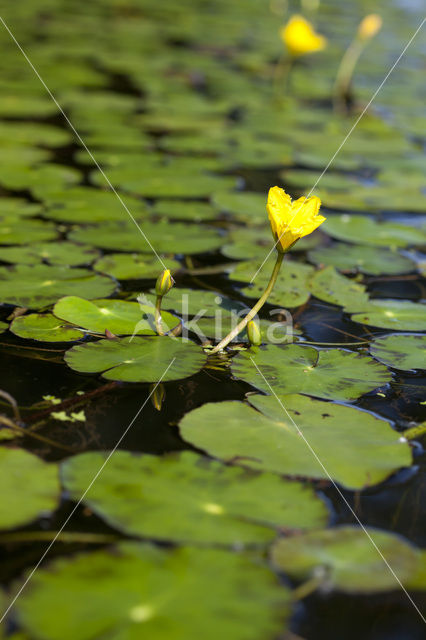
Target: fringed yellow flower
(289, 220)
(300, 37)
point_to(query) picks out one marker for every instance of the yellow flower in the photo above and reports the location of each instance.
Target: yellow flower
(289, 220)
(300, 37)
(369, 26)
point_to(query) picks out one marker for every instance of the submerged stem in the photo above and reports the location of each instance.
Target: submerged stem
(259, 304)
(158, 320)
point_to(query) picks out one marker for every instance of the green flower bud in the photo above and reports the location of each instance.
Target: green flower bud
(158, 395)
(164, 283)
(253, 333)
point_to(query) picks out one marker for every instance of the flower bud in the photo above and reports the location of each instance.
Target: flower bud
(164, 283)
(253, 332)
(158, 395)
(369, 26)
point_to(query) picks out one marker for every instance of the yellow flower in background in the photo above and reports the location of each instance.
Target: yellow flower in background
(300, 37)
(369, 26)
(289, 220)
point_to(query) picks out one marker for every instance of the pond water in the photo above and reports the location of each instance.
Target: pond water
(267, 492)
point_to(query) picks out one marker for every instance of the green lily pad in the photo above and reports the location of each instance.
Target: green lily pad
(28, 231)
(255, 243)
(345, 559)
(141, 359)
(244, 206)
(399, 315)
(211, 503)
(291, 288)
(12, 208)
(363, 230)
(146, 591)
(134, 266)
(55, 253)
(400, 351)
(118, 316)
(331, 286)
(44, 327)
(219, 327)
(30, 487)
(356, 448)
(179, 210)
(164, 237)
(41, 179)
(366, 259)
(88, 205)
(26, 133)
(333, 374)
(194, 302)
(160, 182)
(38, 286)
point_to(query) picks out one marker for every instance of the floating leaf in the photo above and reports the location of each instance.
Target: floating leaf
(163, 236)
(347, 560)
(30, 487)
(205, 303)
(146, 591)
(22, 232)
(290, 290)
(366, 259)
(363, 230)
(211, 503)
(118, 316)
(356, 448)
(244, 206)
(141, 359)
(333, 374)
(179, 210)
(44, 327)
(88, 205)
(55, 253)
(329, 285)
(399, 315)
(125, 266)
(400, 351)
(39, 286)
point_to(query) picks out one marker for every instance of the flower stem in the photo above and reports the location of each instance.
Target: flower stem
(259, 304)
(341, 91)
(158, 320)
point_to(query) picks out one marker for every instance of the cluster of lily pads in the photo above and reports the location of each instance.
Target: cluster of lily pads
(198, 540)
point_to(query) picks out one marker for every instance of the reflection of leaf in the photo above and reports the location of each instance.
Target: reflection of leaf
(141, 591)
(347, 559)
(333, 374)
(355, 447)
(141, 359)
(210, 502)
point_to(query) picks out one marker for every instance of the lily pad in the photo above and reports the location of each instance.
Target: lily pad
(164, 237)
(55, 253)
(356, 448)
(88, 205)
(331, 286)
(399, 315)
(345, 559)
(363, 230)
(333, 374)
(199, 302)
(244, 206)
(141, 359)
(400, 351)
(132, 266)
(118, 316)
(147, 591)
(38, 286)
(211, 503)
(30, 487)
(23, 232)
(291, 288)
(366, 259)
(217, 328)
(44, 327)
(179, 210)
